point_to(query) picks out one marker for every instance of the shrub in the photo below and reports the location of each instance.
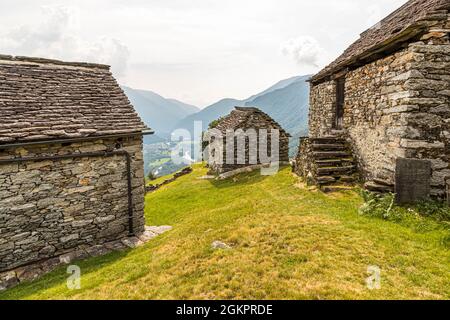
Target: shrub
(437, 210)
(379, 206)
(383, 206)
(215, 123)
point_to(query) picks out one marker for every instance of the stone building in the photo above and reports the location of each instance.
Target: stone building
(71, 163)
(244, 125)
(385, 98)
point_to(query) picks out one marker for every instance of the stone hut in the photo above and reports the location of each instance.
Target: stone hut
(71, 164)
(385, 99)
(244, 125)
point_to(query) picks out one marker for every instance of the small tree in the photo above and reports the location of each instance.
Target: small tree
(212, 125)
(151, 176)
(215, 123)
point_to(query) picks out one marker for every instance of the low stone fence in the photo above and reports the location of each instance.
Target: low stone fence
(248, 169)
(154, 187)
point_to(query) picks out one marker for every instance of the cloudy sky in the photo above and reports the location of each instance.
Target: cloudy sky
(197, 51)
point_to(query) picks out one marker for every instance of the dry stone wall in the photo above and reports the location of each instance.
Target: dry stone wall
(153, 187)
(429, 122)
(322, 109)
(240, 136)
(52, 207)
(251, 149)
(374, 114)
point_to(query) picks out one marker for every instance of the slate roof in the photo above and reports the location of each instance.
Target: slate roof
(395, 27)
(240, 119)
(42, 99)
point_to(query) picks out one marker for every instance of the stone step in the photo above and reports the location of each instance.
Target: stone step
(375, 187)
(348, 179)
(331, 170)
(325, 147)
(328, 140)
(383, 182)
(336, 188)
(325, 179)
(334, 162)
(338, 132)
(321, 155)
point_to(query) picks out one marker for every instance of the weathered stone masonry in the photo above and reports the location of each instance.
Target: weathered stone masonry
(395, 107)
(56, 205)
(49, 208)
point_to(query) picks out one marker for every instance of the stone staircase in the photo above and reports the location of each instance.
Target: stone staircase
(331, 164)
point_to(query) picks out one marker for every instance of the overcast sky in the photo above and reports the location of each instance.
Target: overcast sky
(197, 51)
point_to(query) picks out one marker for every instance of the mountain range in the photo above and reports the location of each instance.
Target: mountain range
(286, 102)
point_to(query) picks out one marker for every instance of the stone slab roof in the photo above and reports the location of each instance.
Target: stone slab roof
(42, 99)
(394, 28)
(240, 118)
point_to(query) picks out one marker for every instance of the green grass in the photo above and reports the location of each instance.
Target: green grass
(289, 242)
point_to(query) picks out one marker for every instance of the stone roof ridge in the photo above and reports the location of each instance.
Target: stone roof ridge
(36, 60)
(247, 109)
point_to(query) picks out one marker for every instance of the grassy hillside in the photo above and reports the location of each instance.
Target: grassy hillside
(288, 242)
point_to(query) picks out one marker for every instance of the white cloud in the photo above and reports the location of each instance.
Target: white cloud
(55, 35)
(109, 51)
(304, 50)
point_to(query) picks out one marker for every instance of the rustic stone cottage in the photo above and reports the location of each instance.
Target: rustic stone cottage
(383, 107)
(244, 125)
(71, 164)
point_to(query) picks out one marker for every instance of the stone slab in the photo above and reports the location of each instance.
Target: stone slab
(412, 180)
(448, 192)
